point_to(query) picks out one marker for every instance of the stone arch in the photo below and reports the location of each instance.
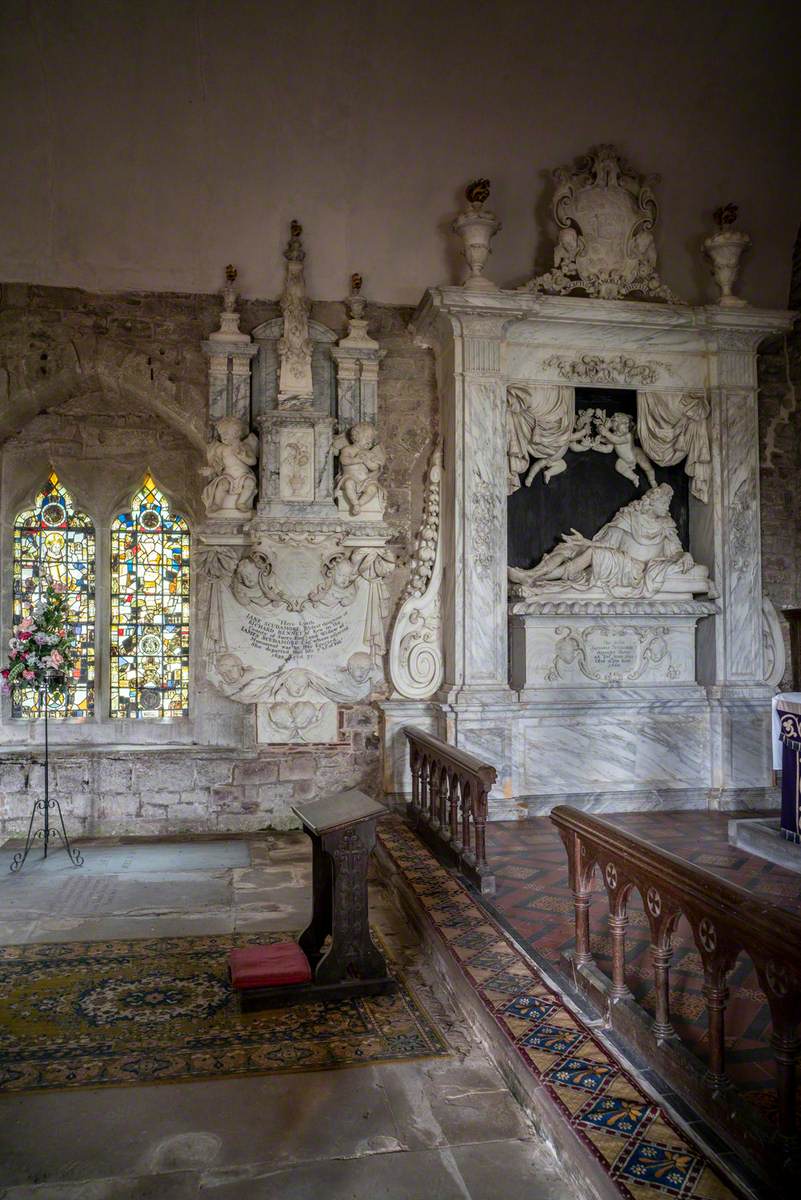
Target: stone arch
(33, 382)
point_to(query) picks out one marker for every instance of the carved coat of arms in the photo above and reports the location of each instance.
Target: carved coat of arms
(605, 246)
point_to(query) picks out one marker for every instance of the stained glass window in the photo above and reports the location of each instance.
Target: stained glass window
(53, 542)
(149, 609)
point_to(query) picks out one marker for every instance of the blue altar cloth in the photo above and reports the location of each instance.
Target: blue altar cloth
(787, 738)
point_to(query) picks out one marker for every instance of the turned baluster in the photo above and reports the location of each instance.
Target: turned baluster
(784, 1040)
(783, 991)
(435, 799)
(581, 910)
(660, 959)
(662, 920)
(466, 840)
(453, 812)
(580, 886)
(414, 766)
(618, 920)
(444, 787)
(425, 769)
(716, 994)
(617, 929)
(480, 827)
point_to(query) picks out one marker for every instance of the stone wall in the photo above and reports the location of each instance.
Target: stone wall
(103, 388)
(780, 460)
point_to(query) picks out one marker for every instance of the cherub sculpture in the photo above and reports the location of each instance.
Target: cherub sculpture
(252, 582)
(232, 485)
(580, 439)
(361, 459)
(338, 588)
(616, 434)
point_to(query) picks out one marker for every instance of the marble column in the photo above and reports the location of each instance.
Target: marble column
(229, 352)
(357, 357)
(467, 340)
(731, 660)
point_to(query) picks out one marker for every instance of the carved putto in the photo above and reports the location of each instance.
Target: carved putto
(606, 214)
(252, 582)
(636, 555)
(230, 459)
(361, 459)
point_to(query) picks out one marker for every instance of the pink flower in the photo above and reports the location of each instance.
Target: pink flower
(26, 623)
(28, 675)
(12, 654)
(23, 635)
(55, 658)
(61, 632)
(58, 587)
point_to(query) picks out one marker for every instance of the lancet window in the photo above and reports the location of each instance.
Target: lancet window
(149, 609)
(55, 543)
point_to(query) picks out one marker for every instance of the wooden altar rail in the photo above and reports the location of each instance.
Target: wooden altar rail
(725, 920)
(448, 807)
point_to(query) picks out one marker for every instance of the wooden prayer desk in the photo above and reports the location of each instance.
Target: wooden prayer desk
(342, 831)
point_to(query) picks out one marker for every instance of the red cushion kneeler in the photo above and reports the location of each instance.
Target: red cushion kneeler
(268, 966)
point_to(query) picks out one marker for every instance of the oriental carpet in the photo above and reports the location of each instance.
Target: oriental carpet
(92, 1014)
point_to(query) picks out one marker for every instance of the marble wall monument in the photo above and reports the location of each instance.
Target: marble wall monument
(641, 670)
(294, 546)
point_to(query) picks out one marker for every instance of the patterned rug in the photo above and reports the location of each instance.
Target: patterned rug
(643, 1152)
(91, 1014)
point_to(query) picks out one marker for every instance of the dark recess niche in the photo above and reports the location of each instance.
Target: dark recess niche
(587, 494)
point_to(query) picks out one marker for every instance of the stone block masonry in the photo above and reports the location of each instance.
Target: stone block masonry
(102, 388)
(108, 791)
(780, 472)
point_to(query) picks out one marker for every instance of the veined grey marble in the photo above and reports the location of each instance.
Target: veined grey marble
(762, 836)
(646, 717)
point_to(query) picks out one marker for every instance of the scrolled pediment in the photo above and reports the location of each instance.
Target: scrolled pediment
(605, 214)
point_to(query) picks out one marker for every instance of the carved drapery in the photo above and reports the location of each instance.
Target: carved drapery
(540, 424)
(674, 425)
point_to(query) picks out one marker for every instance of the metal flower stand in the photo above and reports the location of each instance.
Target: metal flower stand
(47, 832)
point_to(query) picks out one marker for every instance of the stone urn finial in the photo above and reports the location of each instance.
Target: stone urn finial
(356, 302)
(229, 290)
(229, 318)
(476, 227)
(724, 249)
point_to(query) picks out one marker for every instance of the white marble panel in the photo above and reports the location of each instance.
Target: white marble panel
(590, 367)
(587, 651)
(741, 577)
(607, 748)
(296, 463)
(485, 654)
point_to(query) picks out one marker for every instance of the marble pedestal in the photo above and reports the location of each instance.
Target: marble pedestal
(614, 748)
(596, 644)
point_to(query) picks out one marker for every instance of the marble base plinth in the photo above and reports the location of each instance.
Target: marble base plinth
(604, 749)
(762, 836)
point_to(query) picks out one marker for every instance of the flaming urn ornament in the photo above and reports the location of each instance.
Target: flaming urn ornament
(724, 250)
(477, 227)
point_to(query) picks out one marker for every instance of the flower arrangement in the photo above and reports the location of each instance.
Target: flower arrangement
(42, 650)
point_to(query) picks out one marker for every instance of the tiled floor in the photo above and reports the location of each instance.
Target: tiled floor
(534, 900)
(639, 1146)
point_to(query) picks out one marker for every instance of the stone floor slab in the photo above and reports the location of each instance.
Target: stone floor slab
(387, 1131)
